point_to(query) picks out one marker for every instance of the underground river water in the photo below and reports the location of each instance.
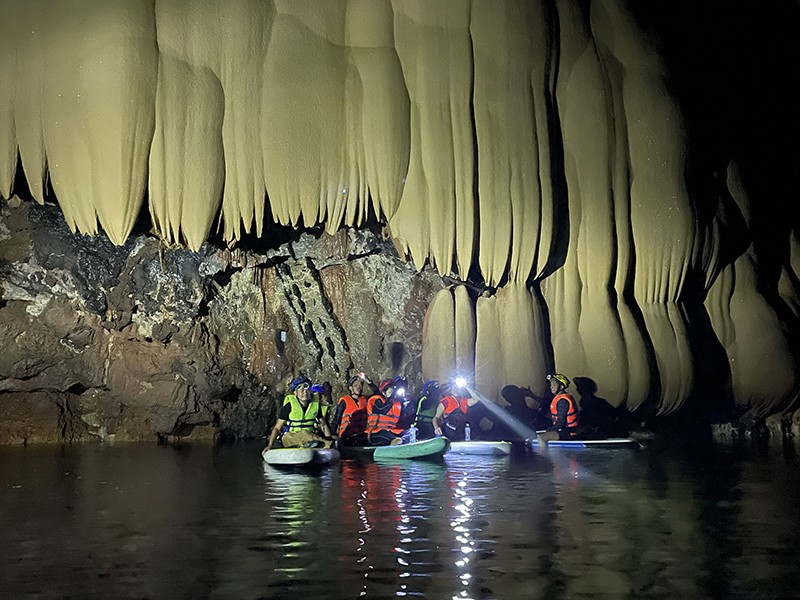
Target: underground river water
(199, 521)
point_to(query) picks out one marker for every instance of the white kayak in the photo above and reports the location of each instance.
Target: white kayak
(484, 448)
(300, 456)
(583, 444)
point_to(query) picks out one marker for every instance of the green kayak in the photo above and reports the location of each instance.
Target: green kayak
(422, 449)
(434, 448)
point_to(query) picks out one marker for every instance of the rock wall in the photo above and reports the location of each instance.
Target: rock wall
(105, 342)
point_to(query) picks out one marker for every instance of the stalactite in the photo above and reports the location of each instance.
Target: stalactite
(187, 157)
(661, 211)
(99, 68)
(244, 30)
(435, 216)
(464, 325)
(511, 119)
(756, 339)
(8, 75)
(439, 337)
(29, 98)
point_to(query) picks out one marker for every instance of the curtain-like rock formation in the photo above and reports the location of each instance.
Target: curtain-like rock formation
(565, 156)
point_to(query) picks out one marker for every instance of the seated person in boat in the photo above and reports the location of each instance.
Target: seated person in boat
(302, 417)
(451, 416)
(383, 413)
(563, 411)
(408, 411)
(426, 409)
(599, 419)
(527, 409)
(349, 419)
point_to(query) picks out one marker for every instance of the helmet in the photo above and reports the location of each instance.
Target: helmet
(298, 381)
(562, 379)
(429, 387)
(399, 384)
(318, 388)
(385, 384)
(352, 380)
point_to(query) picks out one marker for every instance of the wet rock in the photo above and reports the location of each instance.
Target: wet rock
(143, 342)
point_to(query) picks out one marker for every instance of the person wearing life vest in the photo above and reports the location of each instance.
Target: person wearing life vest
(349, 419)
(451, 418)
(563, 412)
(408, 412)
(427, 404)
(302, 418)
(383, 413)
(527, 408)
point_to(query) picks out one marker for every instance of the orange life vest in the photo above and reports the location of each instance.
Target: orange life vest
(572, 411)
(354, 416)
(451, 405)
(377, 421)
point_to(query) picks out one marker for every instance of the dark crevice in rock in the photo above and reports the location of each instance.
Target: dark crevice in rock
(342, 335)
(223, 277)
(360, 255)
(232, 394)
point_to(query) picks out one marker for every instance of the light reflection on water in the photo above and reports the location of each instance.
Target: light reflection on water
(142, 521)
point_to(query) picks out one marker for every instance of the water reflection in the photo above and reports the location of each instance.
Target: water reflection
(398, 507)
(161, 522)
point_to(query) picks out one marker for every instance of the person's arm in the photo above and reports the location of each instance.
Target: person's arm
(327, 393)
(336, 420)
(276, 431)
(323, 426)
(373, 388)
(437, 419)
(538, 402)
(562, 407)
(322, 422)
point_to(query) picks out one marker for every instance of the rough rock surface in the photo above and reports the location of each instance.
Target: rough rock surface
(105, 342)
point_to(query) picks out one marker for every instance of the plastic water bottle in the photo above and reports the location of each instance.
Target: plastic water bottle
(466, 433)
(412, 435)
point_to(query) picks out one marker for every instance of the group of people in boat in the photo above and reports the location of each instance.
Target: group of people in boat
(386, 414)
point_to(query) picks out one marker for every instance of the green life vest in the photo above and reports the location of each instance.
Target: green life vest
(299, 419)
(425, 415)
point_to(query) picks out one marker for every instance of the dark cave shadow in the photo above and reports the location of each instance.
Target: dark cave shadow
(397, 351)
